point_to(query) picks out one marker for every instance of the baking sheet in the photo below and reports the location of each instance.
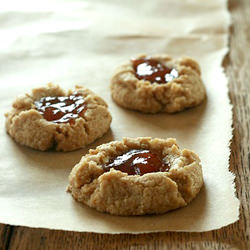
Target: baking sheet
(81, 42)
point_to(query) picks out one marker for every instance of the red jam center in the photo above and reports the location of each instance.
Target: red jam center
(138, 162)
(61, 109)
(152, 70)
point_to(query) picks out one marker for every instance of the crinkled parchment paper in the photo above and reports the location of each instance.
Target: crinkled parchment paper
(81, 42)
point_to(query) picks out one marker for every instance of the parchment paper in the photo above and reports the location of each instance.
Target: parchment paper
(81, 42)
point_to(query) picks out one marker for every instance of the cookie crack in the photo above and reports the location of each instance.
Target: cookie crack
(54, 143)
(158, 101)
(85, 124)
(178, 188)
(181, 192)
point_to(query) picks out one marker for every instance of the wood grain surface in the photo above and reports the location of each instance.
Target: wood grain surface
(235, 236)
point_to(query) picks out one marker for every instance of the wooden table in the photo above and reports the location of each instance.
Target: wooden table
(236, 236)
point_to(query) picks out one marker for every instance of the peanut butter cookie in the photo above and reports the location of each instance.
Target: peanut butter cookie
(137, 176)
(158, 84)
(50, 118)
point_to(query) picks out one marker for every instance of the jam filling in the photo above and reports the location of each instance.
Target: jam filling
(152, 70)
(61, 109)
(138, 162)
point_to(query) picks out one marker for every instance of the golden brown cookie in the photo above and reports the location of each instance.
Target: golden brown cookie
(50, 118)
(158, 84)
(137, 176)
